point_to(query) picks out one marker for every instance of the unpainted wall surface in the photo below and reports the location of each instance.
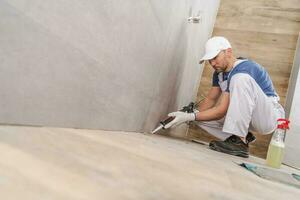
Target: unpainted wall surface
(292, 105)
(114, 65)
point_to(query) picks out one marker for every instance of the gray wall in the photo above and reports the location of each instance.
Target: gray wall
(112, 65)
(292, 107)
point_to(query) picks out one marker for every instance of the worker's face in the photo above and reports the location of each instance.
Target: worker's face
(219, 63)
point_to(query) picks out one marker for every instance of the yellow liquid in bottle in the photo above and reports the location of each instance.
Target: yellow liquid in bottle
(275, 155)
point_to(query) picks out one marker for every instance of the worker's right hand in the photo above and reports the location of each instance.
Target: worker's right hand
(179, 118)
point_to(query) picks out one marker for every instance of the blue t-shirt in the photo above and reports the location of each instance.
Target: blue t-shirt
(256, 71)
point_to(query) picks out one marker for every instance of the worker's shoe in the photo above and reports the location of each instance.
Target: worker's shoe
(233, 145)
(249, 138)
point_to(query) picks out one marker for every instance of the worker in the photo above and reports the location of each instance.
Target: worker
(242, 99)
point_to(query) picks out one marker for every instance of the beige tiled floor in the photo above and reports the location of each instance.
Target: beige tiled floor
(56, 163)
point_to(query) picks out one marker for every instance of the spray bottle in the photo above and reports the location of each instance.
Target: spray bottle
(276, 147)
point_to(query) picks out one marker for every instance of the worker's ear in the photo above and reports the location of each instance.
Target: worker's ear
(229, 52)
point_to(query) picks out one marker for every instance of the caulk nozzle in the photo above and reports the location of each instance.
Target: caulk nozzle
(157, 129)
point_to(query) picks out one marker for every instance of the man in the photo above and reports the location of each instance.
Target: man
(242, 99)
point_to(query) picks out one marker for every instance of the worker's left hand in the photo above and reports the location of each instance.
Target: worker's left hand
(180, 117)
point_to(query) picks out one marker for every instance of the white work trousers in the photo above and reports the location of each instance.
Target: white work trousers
(250, 109)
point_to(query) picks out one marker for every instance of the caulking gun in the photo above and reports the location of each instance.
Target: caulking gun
(188, 109)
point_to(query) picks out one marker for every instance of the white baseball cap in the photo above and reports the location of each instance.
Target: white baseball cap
(214, 46)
